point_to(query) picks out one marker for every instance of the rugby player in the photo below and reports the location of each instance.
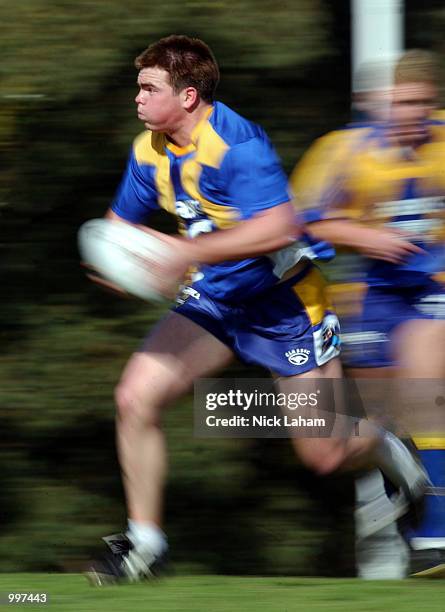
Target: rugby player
(254, 296)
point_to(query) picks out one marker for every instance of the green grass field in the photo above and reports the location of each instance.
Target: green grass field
(70, 592)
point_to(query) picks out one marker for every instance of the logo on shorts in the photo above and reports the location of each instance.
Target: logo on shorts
(298, 357)
(330, 336)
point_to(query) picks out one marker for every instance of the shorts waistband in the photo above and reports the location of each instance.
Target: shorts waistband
(298, 276)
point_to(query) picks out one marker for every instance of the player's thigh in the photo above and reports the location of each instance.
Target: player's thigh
(315, 444)
(419, 351)
(176, 353)
(311, 382)
(418, 347)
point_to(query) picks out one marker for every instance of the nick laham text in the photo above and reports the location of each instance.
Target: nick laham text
(263, 421)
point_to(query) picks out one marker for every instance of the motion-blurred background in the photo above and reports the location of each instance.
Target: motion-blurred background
(67, 119)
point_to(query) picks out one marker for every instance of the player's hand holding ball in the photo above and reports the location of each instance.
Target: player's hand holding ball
(144, 263)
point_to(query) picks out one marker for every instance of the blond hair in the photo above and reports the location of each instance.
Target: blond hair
(416, 66)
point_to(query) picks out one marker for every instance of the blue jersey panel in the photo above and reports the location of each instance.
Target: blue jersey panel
(254, 176)
(137, 197)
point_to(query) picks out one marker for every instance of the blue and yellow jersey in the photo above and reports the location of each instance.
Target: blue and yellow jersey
(227, 174)
(357, 174)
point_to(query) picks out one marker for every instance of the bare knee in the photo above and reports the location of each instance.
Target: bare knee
(325, 456)
(322, 456)
(147, 385)
(135, 408)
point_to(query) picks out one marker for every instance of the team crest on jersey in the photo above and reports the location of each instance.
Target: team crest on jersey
(298, 357)
(188, 209)
(196, 221)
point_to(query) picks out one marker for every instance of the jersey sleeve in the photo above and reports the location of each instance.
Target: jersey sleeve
(136, 197)
(255, 178)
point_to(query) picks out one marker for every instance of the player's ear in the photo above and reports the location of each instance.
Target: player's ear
(190, 97)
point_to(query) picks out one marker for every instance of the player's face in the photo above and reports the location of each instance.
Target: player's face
(412, 104)
(158, 106)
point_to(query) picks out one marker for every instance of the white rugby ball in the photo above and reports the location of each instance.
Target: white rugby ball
(123, 255)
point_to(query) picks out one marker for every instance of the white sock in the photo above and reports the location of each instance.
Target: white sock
(147, 535)
(374, 511)
(369, 487)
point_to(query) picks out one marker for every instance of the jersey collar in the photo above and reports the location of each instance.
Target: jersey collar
(179, 151)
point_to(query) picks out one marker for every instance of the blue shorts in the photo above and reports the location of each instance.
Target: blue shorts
(367, 340)
(289, 329)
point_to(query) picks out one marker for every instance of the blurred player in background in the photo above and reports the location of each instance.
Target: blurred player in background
(379, 191)
(381, 551)
(256, 295)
